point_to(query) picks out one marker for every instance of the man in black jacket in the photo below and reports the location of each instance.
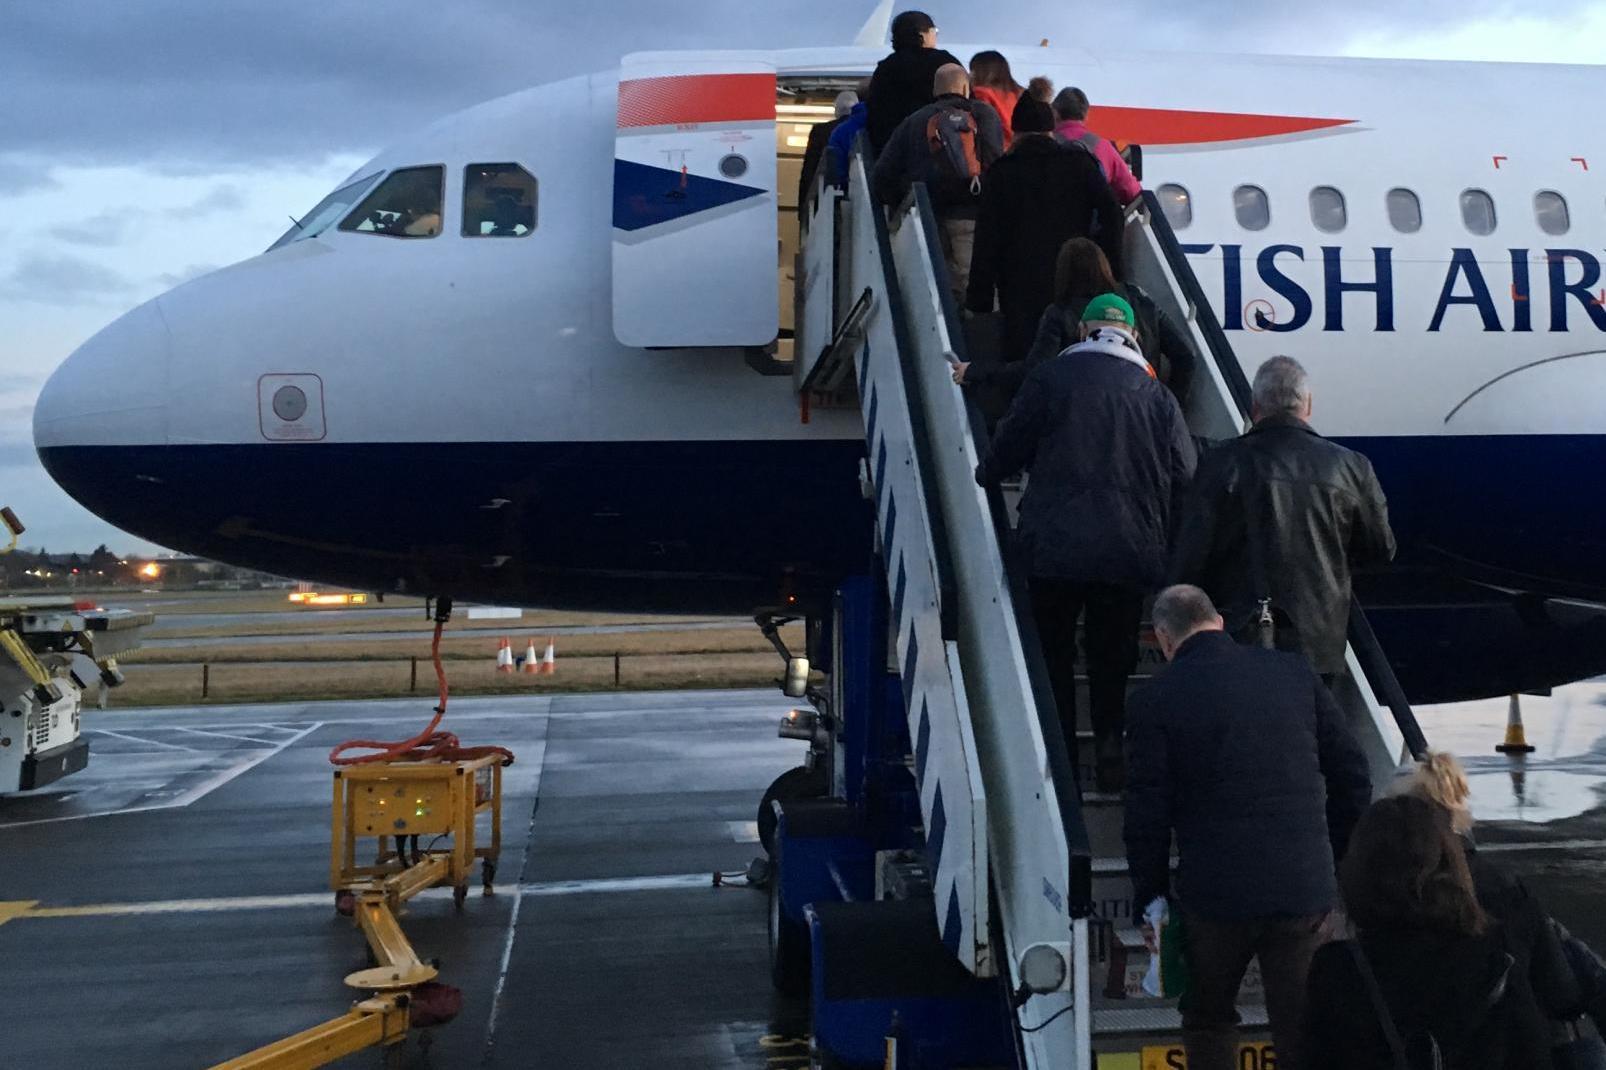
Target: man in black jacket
(1281, 515)
(1038, 196)
(1108, 448)
(1245, 754)
(901, 84)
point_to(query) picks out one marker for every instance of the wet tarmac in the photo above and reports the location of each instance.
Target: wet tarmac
(186, 912)
(184, 879)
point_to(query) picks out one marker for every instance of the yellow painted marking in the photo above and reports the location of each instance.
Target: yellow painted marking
(1126, 1060)
(16, 908)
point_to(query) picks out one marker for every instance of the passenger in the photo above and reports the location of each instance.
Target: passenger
(1562, 996)
(992, 81)
(1276, 520)
(1040, 88)
(948, 145)
(1428, 976)
(1108, 449)
(840, 148)
(1246, 756)
(1071, 107)
(1081, 271)
(902, 83)
(819, 138)
(1037, 196)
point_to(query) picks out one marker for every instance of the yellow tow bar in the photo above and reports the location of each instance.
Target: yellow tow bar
(401, 800)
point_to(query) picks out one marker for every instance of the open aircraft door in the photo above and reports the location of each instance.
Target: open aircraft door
(694, 207)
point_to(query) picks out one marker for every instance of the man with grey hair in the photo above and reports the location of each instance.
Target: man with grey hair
(819, 138)
(1244, 754)
(1276, 519)
(1071, 108)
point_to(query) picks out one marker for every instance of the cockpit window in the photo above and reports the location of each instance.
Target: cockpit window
(498, 200)
(406, 205)
(327, 211)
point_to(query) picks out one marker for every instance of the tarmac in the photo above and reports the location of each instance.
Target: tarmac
(183, 914)
(184, 876)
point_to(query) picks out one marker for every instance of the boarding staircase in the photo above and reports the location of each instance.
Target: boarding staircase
(1027, 875)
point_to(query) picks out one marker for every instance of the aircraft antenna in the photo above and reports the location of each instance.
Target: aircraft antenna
(874, 33)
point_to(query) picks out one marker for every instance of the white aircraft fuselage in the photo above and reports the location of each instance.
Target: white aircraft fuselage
(473, 425)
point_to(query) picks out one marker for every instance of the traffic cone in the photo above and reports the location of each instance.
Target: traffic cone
(1516, 739)
(549, 660)
(532, 663)
(504, 656)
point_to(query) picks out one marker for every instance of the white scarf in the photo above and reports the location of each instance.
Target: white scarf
(1113, 342)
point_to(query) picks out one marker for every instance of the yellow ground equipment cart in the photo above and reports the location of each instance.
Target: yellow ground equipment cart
(426, 818)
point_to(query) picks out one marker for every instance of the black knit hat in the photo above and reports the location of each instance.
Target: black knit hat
(907, 28)
(1032, 116)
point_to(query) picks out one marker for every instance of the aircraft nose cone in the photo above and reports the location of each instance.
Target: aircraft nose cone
(111, 393)
(112, 390)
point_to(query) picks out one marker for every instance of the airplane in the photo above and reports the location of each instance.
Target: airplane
(529, 354)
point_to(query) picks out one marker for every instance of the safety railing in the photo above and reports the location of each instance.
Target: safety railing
(917, 548)
(1371, 677)
(1038, 843)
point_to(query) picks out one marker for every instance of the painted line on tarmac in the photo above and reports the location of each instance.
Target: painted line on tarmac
(222, 735)
(199, 791)
(142, 739)
(1542, 845)
(27, 909)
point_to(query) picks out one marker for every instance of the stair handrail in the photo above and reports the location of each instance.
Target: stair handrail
(1079, 881)
(1363, 641)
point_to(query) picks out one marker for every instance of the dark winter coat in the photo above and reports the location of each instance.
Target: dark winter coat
(1318, 511)
(1107, 448)
(1037, 197)
(907, 158)
(1530, 936)
(1246, 755)
(813, 158)
(901, 86)
(1433, 983)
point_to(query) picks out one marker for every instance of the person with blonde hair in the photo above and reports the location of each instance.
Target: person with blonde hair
(1536, 945)
(1428, 981)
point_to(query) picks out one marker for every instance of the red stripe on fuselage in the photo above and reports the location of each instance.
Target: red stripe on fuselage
(696, 98)
(1164, 126)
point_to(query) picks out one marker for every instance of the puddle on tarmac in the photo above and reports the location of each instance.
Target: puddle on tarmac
(1564, 777)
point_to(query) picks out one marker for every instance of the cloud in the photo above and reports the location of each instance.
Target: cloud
(62, 279)
(20, 175)
(102, 230)
(224, 198)
(169, 81)
(170, 279)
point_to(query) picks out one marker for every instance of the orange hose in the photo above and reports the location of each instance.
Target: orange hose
(428, 745)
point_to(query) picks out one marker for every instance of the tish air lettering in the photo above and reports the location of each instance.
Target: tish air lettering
(1284, 288)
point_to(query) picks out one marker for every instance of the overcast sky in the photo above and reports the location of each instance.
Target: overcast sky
(141, 143)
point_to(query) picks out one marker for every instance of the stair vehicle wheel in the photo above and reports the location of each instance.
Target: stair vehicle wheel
(789, 945)
(799, 783)
(459, 896)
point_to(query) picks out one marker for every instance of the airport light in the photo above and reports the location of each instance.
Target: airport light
(150, 570)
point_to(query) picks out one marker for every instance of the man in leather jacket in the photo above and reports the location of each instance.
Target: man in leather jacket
(1282, 514)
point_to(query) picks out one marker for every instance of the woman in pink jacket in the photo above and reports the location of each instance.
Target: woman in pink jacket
(1070, 108)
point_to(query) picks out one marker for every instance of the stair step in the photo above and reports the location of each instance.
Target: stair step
(1160, 1020)
(1118, 950)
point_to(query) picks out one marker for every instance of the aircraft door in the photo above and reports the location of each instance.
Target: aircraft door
(694, 206)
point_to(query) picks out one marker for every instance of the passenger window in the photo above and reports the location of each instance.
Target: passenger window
(1405, 211)
(1327, 209)
(1551, 209)
(498, 201)
(1249, 204)
(406, 205)
(1177, 205)
(1477, 211)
